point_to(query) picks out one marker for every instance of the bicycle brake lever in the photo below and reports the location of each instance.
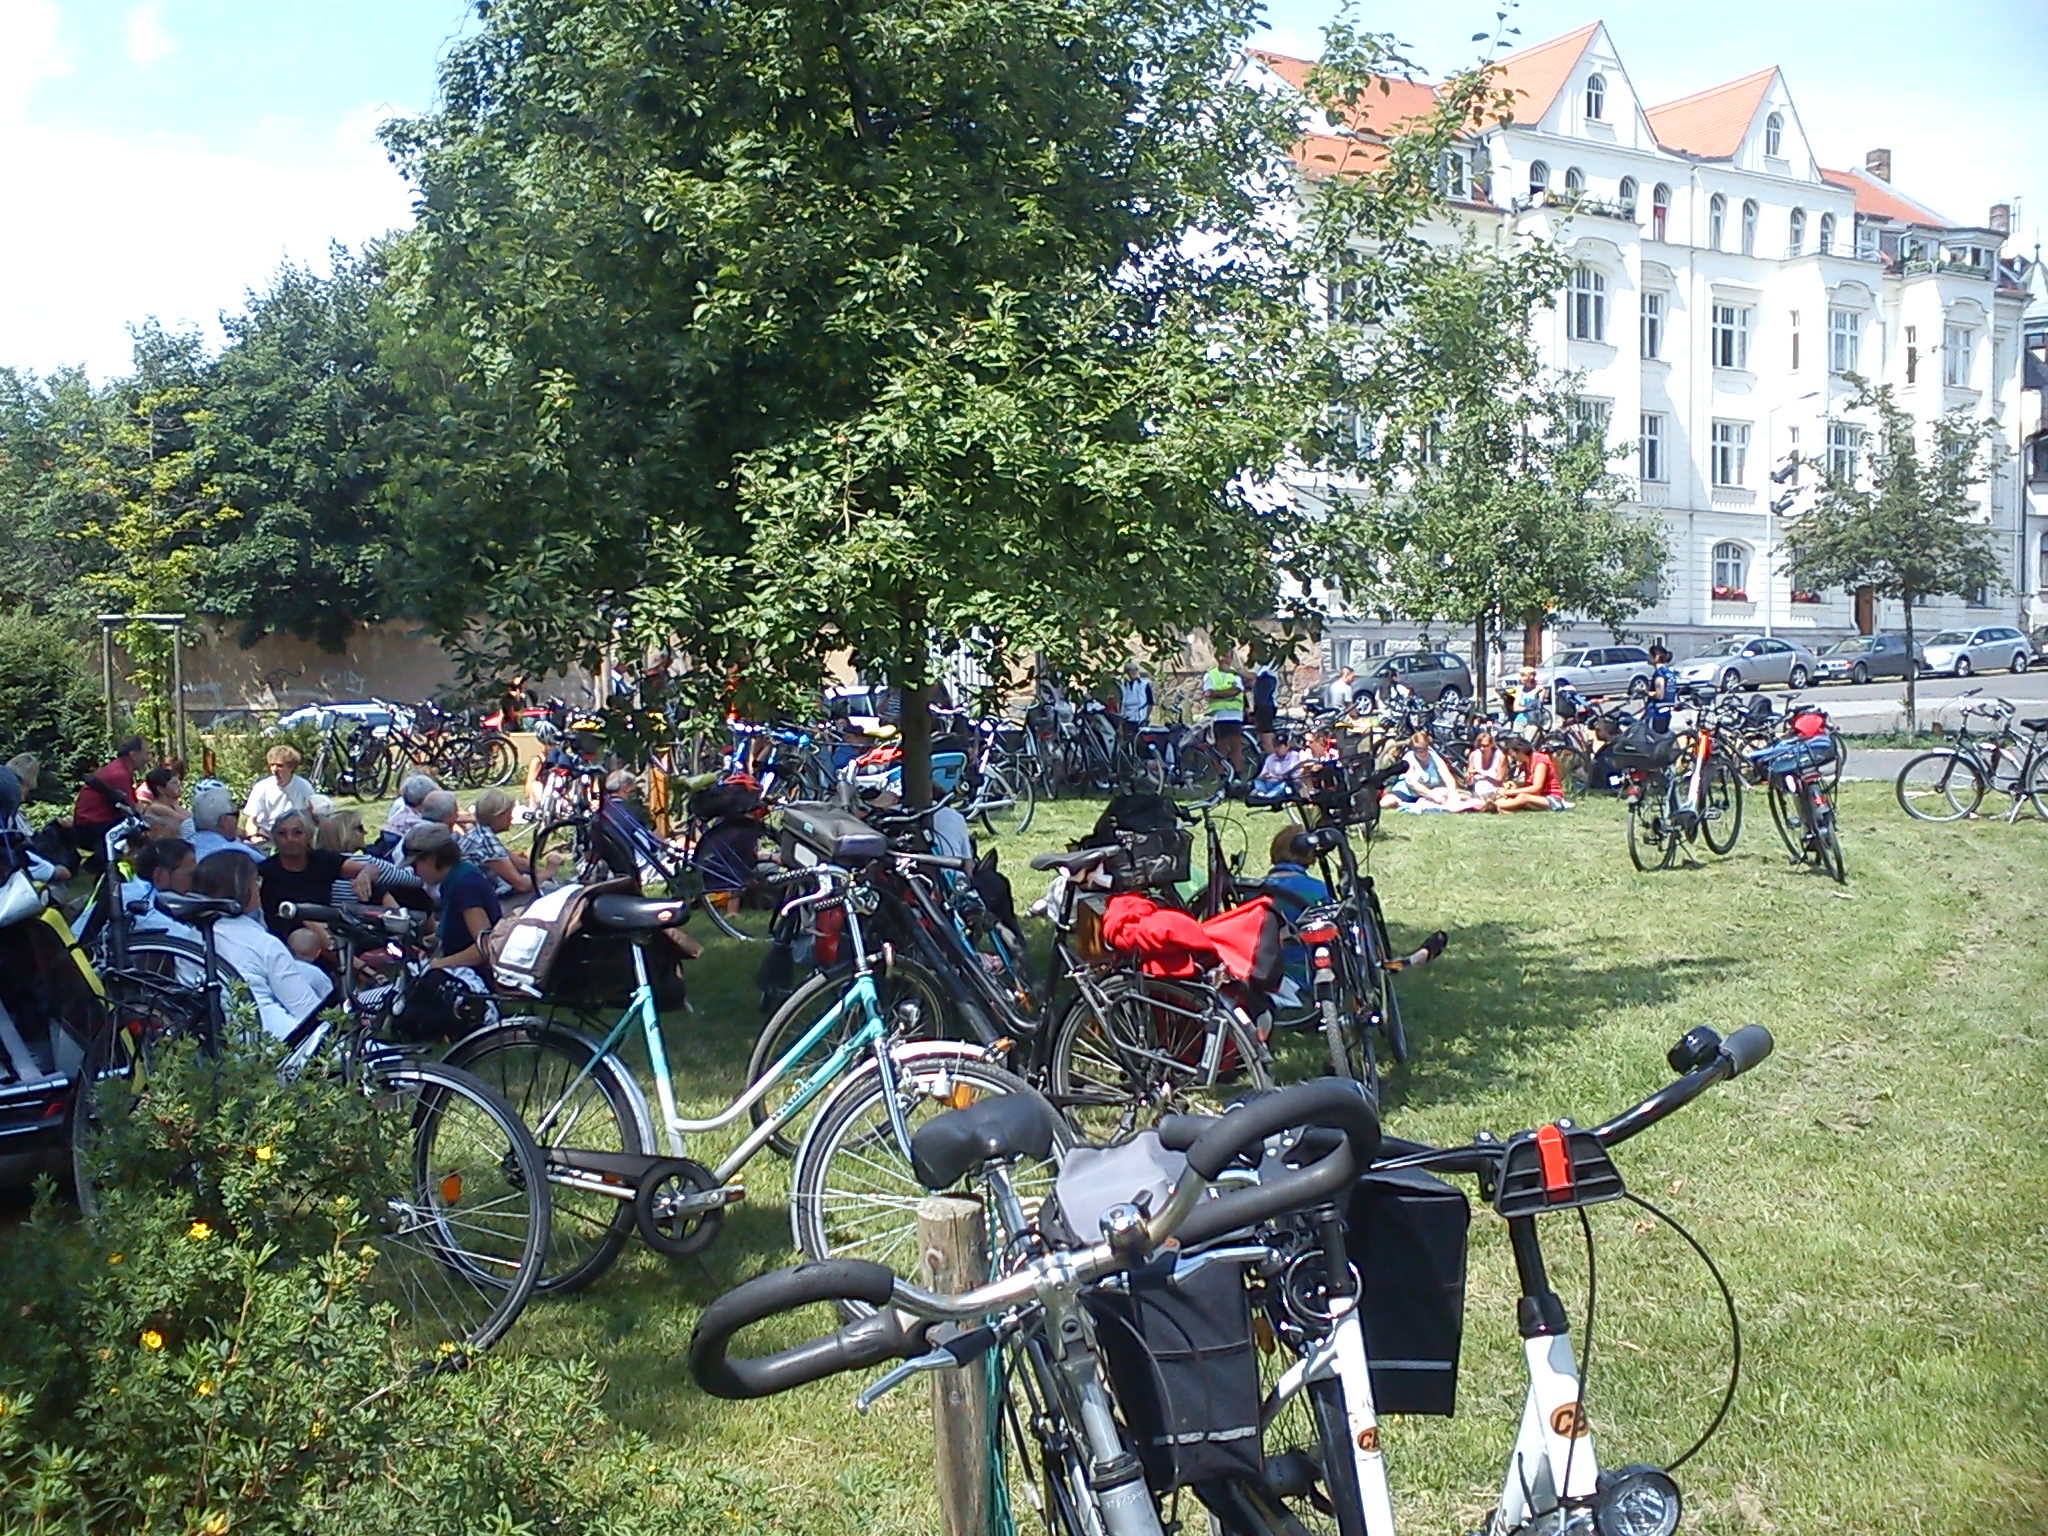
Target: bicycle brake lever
(962, 1349)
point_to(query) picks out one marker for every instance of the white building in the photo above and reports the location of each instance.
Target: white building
(1724, 284)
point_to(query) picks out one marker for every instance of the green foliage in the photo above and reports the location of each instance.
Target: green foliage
(206, 1355)
(49, 700)
(1908, 527)
(40, 561)
(239, 750)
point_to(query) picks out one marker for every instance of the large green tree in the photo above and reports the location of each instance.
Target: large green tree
(1902, 521)
(40, 561)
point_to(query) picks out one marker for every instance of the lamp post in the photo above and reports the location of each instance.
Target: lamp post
(1779, 476)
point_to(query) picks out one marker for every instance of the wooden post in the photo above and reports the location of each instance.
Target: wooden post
(953, 1239)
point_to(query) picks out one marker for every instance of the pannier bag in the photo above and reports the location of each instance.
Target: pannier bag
(1642, 747)
(1405, 1231)
(523, 947)
(437, 1005)
(1185, 1372)
(1155, 850)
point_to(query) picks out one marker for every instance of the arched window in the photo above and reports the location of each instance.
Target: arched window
(1717, 219)
(1626, 196)
(1574, 181)
(1539, 178)
(1585, 317)
(1795, 241)
(1774, 136)
(1749, 227)
(1596, 97)
(1660, 212)
(1731, 571)
(1827, 234)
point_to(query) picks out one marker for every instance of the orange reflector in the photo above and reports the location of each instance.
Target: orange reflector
(451, 1188)
(1327, 934)
(962, 1096)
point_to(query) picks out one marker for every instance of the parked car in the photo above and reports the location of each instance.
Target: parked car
(1959, 652)
(1749, 661)
(368, 712)
(1860, 658)
(1600, 670)
(1436, 675)
(2040, 639)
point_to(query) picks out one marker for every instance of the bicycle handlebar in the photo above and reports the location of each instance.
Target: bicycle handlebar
(936, 861)
(857, 1346)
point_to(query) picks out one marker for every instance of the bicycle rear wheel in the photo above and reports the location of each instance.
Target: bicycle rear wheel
(1939, 786)
(1721, 816)
(1788, 818)
(1820, 821)
(463, 1239)
(501, 760)
(1147, 1053)
(1651, 844)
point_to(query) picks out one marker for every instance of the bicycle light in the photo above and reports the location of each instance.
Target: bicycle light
(1636, 1501)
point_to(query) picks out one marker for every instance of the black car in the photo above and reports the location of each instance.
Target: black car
(1861, 658)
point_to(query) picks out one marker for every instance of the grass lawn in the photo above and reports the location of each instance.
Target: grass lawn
(1876, 1193)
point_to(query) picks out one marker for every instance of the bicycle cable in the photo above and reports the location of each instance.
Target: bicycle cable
(1586, 1350)
(1734, 1328)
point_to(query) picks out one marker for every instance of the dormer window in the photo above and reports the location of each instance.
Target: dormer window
(1539, 178)
(1774, 136)
(1596, 98)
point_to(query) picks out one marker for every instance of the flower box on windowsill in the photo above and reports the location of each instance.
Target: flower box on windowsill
(1808, 597)
(1730, 595)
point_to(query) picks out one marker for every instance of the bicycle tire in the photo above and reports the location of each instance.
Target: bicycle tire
(1312, 1426)
(458, 1263)
(1721, 820)
(501, 760)
(1650, 846)
(2035, 787)
(906, 985)
(1786, 818)
(1108, 1072)
(853, 1194)
(570, 844)
(374, 771)
(1007, 803)
(1928, 784)
(1820, 812)
(1391, 1023)
(532, 1063)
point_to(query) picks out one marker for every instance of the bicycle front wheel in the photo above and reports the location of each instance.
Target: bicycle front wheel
(1721, 815)
(463, 1239)
(1788, 816)
(1651, 843)
(1939, 786)
(1827, 842)
(570, 1096)
(1006, 803)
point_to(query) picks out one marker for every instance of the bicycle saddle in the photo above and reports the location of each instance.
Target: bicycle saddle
(635, 914)
(1008, 1125)
(1084, 858)
(2036, 725)
(196, 911)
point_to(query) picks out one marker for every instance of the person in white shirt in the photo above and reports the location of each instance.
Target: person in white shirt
(287, 990)
(215, 827)
(270, 798)
(1136, 698)
(1343, 690)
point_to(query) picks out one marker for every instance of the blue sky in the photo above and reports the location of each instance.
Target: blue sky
(161, 157)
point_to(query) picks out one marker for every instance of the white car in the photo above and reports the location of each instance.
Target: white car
(1749, 661)
(369, 713)
(1600, 670)
(1959, 652)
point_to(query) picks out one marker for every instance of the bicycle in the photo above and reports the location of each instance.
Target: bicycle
(1802, 805)
(1695, 794)
(1950, 783)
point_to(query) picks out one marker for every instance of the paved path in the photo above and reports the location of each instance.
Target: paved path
(1874, 762)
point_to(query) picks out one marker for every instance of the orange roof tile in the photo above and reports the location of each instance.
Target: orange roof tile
(1319, 154)
(1711, 124)
(1386, 104)
(1877, 198)
(1535, 75)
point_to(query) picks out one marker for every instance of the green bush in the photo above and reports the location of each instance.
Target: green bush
(239, 751)
(205, 1354)
(49, 702)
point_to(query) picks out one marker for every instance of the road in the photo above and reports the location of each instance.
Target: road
(1881, 707)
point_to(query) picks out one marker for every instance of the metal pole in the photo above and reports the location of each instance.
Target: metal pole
(107, 670)
(177, 632)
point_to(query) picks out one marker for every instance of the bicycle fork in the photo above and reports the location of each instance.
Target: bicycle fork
(1553, 1464)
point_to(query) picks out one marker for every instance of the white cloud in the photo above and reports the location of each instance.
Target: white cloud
(29, 53)
(149, 41)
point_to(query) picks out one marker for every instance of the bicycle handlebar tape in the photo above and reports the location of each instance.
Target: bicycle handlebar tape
(1746, 1047)
(857, 1346)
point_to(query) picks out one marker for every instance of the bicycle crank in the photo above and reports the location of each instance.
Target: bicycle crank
(679, 1206)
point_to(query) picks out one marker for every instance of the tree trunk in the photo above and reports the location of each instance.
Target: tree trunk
(1912, 670)
(1480, 697)
(1532, 640)
(916, 727)
(1866, 611)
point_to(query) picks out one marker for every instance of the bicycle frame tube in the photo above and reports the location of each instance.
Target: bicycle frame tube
(873, 1034)
(1553, 1460)
(1340, 1356)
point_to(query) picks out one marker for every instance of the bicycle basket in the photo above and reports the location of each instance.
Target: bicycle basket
(1151, 859)
(1185, 1373)
(1405, 1230)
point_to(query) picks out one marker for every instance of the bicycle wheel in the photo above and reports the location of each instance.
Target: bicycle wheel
(1939, 786)
(1310, 1487)
(374, 769)
(913, 1001)
(565, 852)
(2035, 788)
(1148, 1053)
(464, 1238)
(1573, 767)
(1006, 803)
(569, 1095)
(853, 1193)
(1651, 843)
(1721, 817)
(1787, 816)
(501, 761)
(1827, 842)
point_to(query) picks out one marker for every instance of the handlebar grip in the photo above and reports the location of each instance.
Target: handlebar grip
(307, 912)
(940, 861)
(1336, 1103)
(787, 876)
(858, 1345)
(1746, 1047)
(1298, 1189)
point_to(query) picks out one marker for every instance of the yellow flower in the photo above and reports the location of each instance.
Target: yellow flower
(199, 1232)
(151, 1339)
(204, 1389)
(216, 1525)
(115, 1258)
(318, 1429)
(447, 1348)
(265, 1154)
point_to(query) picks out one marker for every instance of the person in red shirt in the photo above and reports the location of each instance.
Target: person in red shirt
(1536, 785)
(107, 795)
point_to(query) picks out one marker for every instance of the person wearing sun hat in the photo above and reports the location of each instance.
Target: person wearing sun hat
(466, 896)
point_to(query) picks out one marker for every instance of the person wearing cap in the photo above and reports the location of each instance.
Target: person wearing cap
(214, 824)
(467, 900)
(287, 990)
(270, 797)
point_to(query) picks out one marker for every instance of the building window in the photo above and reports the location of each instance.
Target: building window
(1731, 335)
(1717, 220)
(1660, 212)
(1650, 447)
(1625, 194)
(1827, 234)
(1574, 181)
(1774, 136)
(1980, 597)
(1845, 340)
(1588, 420)
(1653, 326)
(1795, 241)
(1912, 354)
(1731, 572)
(2041, 567)
(1596, 97)
(1957, 344)
(1749, 227)
(1539, 179)
(1845, 447)
(1454, 175)
(1730, 454)
(1795, 340)
(1586, 305)
(1867, 243)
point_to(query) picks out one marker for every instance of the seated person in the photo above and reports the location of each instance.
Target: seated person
(404, 814)
(302, 873)
(484, 845)
(1486, 765)
(286, 989)
(215, 826)
(270, 798)
(1290, 871)
(468, 903)
(1276, 774)
(1536, 785)
(1427, 783)
(378, 880)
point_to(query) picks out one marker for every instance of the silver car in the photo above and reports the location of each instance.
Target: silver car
(1748, 661)
(1861, 657)
(1600, 670)
(1959, 652)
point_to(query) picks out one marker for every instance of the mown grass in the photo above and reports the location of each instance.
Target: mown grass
(1875, 1193)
